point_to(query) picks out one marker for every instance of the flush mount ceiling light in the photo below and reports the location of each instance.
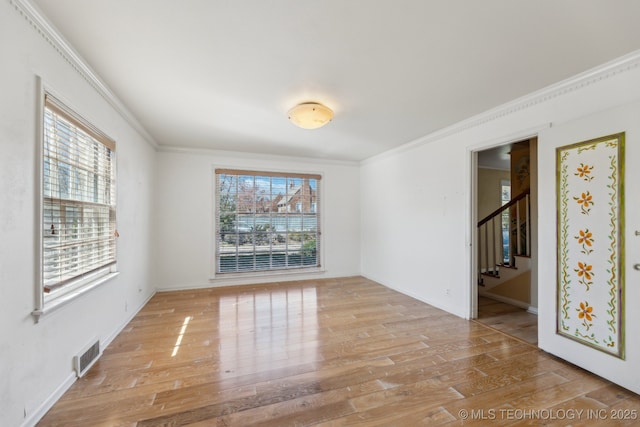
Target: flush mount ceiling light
(310, 115)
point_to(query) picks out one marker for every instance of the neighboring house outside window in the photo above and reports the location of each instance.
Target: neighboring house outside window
(266, 221)
(298, 198)
(78, 202)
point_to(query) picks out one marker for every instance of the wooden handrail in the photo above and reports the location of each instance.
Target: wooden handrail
(503, 208)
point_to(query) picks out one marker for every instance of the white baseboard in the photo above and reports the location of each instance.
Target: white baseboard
(48, 403)
(451, 310)
(531, 309)
(41, 410)
(109, 338)
(257, 279)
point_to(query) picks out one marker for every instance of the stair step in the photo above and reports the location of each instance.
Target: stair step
(495, 274)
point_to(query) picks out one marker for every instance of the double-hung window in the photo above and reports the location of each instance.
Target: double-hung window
(266, 221)
(78, 202)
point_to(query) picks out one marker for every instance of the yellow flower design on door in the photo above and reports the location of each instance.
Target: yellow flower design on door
(585, 312)
(585, 274)
(584, 172)
(585, 202)
(590, 249)
(585, 238)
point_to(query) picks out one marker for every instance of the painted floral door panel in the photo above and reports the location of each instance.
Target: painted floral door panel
(591, 243)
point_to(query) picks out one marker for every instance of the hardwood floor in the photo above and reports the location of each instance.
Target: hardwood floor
(329, 353)
(509, 319)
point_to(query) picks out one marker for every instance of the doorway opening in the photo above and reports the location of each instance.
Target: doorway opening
(505, 288)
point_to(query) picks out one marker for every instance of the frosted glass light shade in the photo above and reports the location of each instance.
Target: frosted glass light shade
(310, 115)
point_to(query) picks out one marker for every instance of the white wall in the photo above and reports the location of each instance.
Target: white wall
(489, 190)
(403, 218)
(416, 209)
(184, 209)
(36, 358)
(414, 222)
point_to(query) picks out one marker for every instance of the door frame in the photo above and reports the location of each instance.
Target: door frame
(472, 214)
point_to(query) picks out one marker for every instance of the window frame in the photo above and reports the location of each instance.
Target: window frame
(68, 290)
(216, 272)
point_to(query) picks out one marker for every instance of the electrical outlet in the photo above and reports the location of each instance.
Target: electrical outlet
(447, 292)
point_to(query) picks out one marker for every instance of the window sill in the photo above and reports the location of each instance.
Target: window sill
(63, 300)
(267, 273)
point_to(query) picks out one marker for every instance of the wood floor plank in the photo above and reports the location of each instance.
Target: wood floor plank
(514, 321)
(330, 352)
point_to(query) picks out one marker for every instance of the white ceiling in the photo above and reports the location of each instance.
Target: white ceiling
(222, 74)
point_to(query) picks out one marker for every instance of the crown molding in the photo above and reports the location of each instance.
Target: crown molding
(620, 65)
(254, 156)
(52, 36)
(580, 81)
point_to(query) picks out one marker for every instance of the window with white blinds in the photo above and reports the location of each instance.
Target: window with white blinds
(78, 201)
(266, 221)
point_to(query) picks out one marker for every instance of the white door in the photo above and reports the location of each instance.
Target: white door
(577, 339)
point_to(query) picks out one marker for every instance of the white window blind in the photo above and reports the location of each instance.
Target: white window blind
(266, 221)
(79, 200)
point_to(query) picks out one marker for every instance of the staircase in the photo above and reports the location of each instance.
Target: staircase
(504, 250)
(506, 273)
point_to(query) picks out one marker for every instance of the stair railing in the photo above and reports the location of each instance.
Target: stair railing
(518, 235)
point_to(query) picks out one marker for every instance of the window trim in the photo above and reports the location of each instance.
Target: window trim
(216, 276)
(46, 303)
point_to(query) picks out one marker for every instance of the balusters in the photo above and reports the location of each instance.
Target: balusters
(527, 228)
(493, 242)
(486, 247)
(518, 237)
